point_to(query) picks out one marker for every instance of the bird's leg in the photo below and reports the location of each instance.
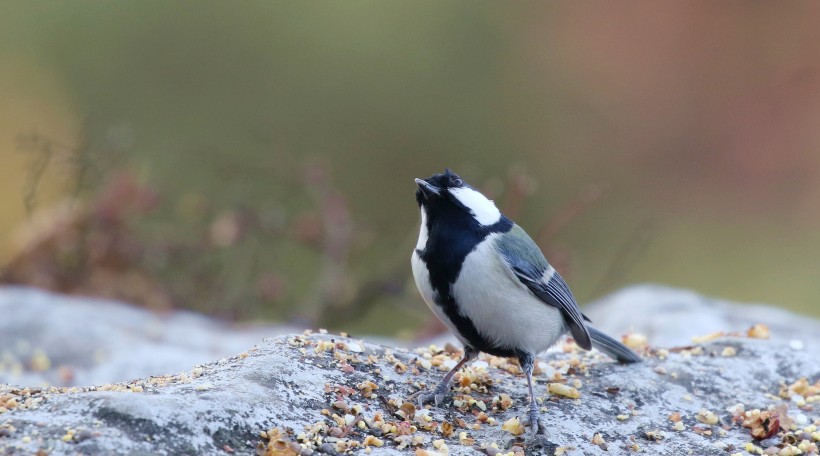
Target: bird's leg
(444, 385)
(527, 363)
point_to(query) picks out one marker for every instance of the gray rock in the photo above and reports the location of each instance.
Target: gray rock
(287, 382)
(671, 316)
(52, 339)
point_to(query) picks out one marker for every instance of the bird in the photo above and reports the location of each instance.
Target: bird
(485, 278)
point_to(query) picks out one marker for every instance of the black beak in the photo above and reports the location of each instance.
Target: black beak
(427, 189)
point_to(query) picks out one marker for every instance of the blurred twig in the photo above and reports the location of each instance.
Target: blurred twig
(41, 151)
(632, 250)
(329, 289)
(571, 211)
(519, 186)
(84, 163)
(390, 280)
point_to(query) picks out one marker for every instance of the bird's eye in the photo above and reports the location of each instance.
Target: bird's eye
(457, 182)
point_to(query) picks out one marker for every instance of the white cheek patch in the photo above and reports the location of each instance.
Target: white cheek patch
(483, 209)
(422, 242)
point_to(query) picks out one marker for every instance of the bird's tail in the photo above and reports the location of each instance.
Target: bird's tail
(612, 347)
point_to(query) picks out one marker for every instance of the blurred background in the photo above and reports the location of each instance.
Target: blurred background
(255, 161)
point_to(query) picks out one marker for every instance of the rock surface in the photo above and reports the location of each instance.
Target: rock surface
(52, 339)
(292, 386)
(283, 386)
(671, 316)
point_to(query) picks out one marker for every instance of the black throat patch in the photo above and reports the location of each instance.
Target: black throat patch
(448, 244)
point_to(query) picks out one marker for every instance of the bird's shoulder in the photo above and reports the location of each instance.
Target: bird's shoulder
(520, 251)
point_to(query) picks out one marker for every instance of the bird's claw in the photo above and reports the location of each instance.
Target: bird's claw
(436, 398)
(539, 428)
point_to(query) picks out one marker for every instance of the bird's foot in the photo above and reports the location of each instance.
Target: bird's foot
(537, 428)
(436, 397)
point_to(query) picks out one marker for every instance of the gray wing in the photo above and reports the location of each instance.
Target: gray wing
(529, 265)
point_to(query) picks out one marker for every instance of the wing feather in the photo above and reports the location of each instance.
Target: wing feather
(557, 294)
(529, 266)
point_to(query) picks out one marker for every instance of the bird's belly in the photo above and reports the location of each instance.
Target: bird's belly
(502, 309)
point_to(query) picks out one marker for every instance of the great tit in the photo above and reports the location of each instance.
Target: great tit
(489, 283)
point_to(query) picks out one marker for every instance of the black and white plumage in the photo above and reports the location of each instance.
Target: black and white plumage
(487, 280)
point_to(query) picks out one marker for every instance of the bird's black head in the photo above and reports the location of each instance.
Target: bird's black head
(446, 195)
(435, 188)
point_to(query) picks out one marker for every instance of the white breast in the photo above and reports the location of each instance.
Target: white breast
(422, 242)
(501, 307)
(422, 277)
